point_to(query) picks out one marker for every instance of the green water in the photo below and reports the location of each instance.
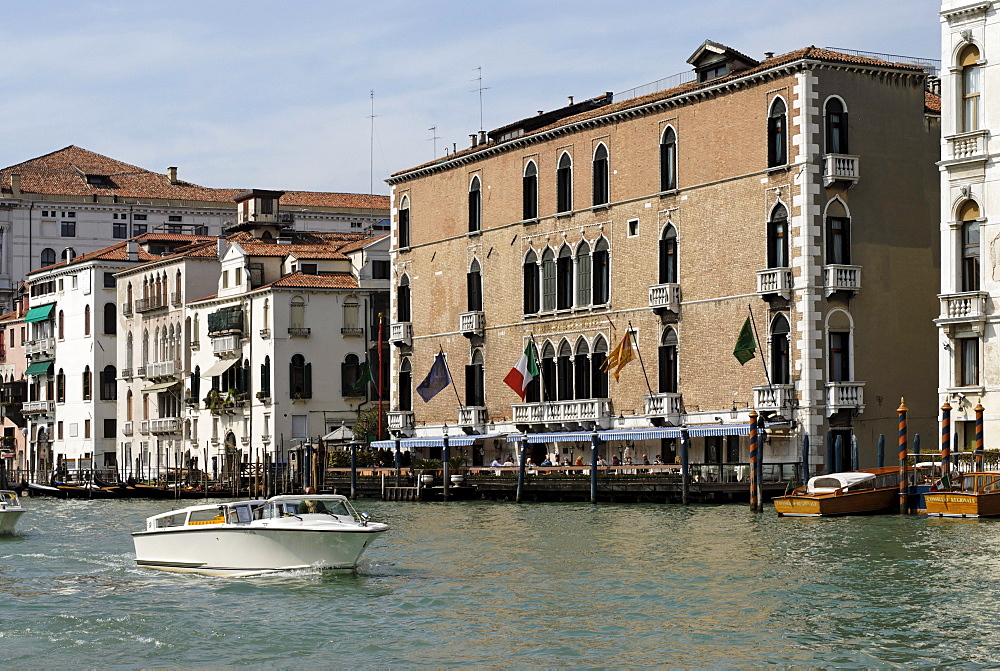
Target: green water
(502, 585)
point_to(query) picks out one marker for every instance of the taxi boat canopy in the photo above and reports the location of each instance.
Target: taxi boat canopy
(827, 484)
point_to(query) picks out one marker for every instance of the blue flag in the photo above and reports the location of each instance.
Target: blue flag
(436, 380)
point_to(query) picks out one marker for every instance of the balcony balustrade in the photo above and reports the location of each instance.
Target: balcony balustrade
(841, 168)
(144, 427)
(299, 330)
(844, 396)
(175, 298)
(665, 296)
(775, 281)
(265, 334)
(839, 277)
(126, 309)
(664, 407)
(963, 309)
(37, 407)
(472, 323)
(584, 413)
(401, 333)
(968, 146)
(473, 415)
(226, 346)
(40, 349)
(150, 304)
(163, 369)
(352, 331)
(126, 428)
(775, 397)
(400, 420)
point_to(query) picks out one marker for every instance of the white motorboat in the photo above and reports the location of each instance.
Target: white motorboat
(10, 511)
(242, 538)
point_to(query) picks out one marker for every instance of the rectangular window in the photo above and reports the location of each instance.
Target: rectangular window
(110, 428)
(59, 430)
(139, 217)
(840, 356)
(969, 365)
(225, 279)
(175, 217)
(86, 428)
(174, 229)
(139, 229)
(119, 229)
(201, 230)
(109, 280)
(69, 229)
(309, 269)
(633, 228)
(238, 277)
(380, 270)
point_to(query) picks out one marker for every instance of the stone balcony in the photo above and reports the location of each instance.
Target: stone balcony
(971, 146)
(839, 277)
(582, 414)
(40, 349)
(165, 425)
(472, 323)
(473, 415)
(150, 304)
(163, 369)
(400, 421)
(776, 397)
(963, 310)
(844, 396)
(664, 408)
(841, 168)
(126, 428)
(227, 346)
(37, 407)
(401, 333)
(665, 297)
(775, 281)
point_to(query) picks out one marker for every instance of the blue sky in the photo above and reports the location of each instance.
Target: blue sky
(276, 94)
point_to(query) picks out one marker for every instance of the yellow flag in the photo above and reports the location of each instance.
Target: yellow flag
(619, 357)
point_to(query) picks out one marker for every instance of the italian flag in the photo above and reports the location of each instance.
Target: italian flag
(523, 372)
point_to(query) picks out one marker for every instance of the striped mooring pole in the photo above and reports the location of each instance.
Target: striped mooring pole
(945, 439)
(685, 476)
(901, 410)
(979, 435)
(753, 460)
(593, 467)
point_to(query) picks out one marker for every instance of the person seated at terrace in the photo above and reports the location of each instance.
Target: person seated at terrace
(578, 462)
(547, 462)
(509, 462)
(615, 461)
(496, 464)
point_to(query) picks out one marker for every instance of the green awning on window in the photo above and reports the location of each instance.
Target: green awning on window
(39, 368)
(40, 313)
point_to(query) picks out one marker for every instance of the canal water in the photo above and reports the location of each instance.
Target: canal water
(501, 584)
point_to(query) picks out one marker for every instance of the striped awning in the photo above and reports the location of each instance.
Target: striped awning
(561, 437)
(40, 313)
(719, 430)
(640, 434)
(432, 441)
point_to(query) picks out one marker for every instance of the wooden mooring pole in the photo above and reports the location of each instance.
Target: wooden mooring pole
(901, 410)
(753, 460)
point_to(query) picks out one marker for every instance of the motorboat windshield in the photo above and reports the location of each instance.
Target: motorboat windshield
(827, 484)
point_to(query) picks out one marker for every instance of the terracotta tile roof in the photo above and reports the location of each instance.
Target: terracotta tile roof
(11, 317)
(65, 173)
(321, 281)
(305, 244)
(118, 251)
(932, 102)
(361, 244)
(807, 53)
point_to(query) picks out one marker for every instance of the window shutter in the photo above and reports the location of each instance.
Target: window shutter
(470, 385)
(583, 285)
(548, 285)
(307, 380)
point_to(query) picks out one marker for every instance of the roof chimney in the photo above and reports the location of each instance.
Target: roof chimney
(482, 137)
(132, 250)
(454, 147)
(768, 54)
(172, 174)
(220, 243)
(472, 140)
(570, 100)
(15, 185)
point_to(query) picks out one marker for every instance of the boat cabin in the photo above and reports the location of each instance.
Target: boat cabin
(333, 505)
(981, 483)
(238, 512)
(852, 481)
(8, 499)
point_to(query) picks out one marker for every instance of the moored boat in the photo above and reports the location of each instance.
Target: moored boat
(243, 538)
(859, 492)
(10, 511)
(978, 495)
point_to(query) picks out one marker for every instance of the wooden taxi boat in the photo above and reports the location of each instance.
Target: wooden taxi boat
(869, 490)
(978, 495)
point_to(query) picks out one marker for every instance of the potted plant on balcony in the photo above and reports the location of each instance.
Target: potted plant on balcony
(455, 463)
(263, 396)
(214, 401)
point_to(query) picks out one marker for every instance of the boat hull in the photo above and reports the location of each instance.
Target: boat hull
(830, 505)
(8, 520)
(963, 504)
(240, 550)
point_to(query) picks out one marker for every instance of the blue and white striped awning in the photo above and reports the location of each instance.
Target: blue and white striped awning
(433, 441)
(719, 430)
(560, 437)
(640, 434)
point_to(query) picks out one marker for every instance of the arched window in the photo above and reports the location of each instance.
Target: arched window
(601, 188)
(265, 376)
(564, 184)
(669, 373)
(61, 386)
(350, 374)
(530, 273)
(475, 205)
(548, 281)
(403, 222)
(968, 61)
(584, 279)
(581, 370)
(352, 316)
(533, 393)
(777, 238)
(836, 127)
(564, 372)
(838, 234)
(780, 353)
(668, 160)
(474, 287)
(87, 383)
(777, 134)
(86, 320)
(475, 381)
(548, 372)
(128, 406)
(564, 279)
(839, 341)
(128, 297)
(61, 325)
(599, 378)
(300, 377)
(969, 215)
(405, 386)
(176, 298)
(602, 273)
(297, 314)
(529, 192)
(129, 351)
(195, 391)
(403, 299)
(48, 257)
(109, 383)
(668, 255)
(110, 319)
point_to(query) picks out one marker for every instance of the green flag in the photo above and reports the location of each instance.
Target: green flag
(745, 344)
(364, 376)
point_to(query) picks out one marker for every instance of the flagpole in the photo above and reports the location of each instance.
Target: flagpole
(451, 379)
(756, 335)
(541, 382)
(380, 381)
(631, 332)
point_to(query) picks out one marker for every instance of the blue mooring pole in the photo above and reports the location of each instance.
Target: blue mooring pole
(829, 453)
(805, 459)
(684, 466)
(881, 450)
(916, 445)
(520, 469)
(593, 467)
(838, 452)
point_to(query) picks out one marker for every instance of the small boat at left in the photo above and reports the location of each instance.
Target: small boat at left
(10, 511)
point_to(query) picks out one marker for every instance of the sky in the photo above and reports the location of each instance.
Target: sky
(281, 94)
